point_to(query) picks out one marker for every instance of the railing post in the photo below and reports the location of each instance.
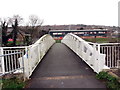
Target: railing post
(99, 48)
(2, 61)
(95, 60)
(26, 65)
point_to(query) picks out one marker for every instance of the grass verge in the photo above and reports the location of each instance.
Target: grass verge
(58, 41)
(12, 83)
(111, 81)
(101, 40)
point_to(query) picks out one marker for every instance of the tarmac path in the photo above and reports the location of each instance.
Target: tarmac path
(62, 68)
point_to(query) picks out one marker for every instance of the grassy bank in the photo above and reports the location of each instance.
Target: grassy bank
(101, 40)
(112, 82)
(12, 83)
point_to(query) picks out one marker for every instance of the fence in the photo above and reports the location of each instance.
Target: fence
(112, 52)
(9, 59)
(89, 54)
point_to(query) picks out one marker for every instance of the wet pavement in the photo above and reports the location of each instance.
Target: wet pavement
(62, 68)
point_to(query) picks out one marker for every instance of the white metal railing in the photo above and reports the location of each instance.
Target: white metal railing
(25, 58)
(9, 59)
(88, 53)
(112, 52)
(35, 52)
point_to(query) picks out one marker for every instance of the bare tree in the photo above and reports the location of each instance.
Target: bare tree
(35, 23)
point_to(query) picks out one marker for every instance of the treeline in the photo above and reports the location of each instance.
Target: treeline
(29, 33)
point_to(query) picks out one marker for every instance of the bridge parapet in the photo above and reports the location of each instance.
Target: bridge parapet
(24, 59)
(89, 54)
(35, 53)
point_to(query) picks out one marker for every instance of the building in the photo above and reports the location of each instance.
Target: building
(95, 33)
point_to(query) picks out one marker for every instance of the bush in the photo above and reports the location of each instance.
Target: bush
(102, 75)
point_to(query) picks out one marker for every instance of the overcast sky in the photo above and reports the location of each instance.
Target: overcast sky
(59, 12)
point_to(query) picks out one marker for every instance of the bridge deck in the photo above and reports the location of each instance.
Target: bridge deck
(62, 68)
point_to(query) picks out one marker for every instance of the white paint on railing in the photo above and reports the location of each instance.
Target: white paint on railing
(112, 52)
(2, 70)
(88, 53)
(10, 62)
(35, 53)
(28, 59)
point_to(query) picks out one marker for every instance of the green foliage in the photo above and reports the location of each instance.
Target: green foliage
(111, 81)
(102, 75)
(111, 78)
(58, 41)
(13, 83)
(113, 86)
(100, 40)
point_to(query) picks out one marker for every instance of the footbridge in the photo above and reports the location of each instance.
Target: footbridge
(71, 63)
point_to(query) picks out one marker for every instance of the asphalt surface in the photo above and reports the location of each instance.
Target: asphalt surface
(62, 68)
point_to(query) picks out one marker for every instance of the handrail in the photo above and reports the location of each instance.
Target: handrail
(35, 53)
(29, 59)
(10, 54)
(88, 53)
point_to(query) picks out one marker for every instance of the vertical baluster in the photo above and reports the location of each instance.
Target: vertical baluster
(115, 58)
(9, 61)
(104, 49)
(6, 61)
(20, 59)
(105, 52)
(17, 59)
(15, 66)
(113, 54)
(107, 55)
(110, 56)
(12, 62)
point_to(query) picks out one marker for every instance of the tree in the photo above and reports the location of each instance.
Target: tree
(35, 23)
(4, 26)
(15, 21)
